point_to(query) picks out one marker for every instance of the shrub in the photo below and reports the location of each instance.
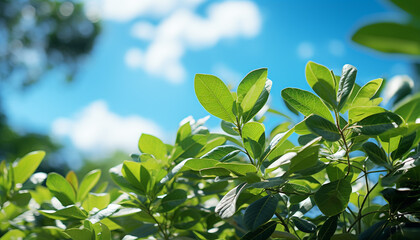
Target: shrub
(354, 173)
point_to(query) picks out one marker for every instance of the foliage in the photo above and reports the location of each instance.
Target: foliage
(354, 174)
(38, 35)
(394, 37)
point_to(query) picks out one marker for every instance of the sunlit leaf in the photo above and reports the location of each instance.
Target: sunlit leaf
(214, 96)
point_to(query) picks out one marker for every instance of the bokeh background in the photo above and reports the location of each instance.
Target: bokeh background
(83, 79)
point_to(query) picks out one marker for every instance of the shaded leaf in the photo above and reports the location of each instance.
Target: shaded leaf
(376, 154)
(327, 229)
(389, 37)
(260, 211)
(261, 233)
(332, 198)
(304, 225)
(174, 199)
(323, 127)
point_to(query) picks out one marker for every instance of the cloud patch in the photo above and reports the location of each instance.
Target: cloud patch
(184, 29)
(127, 10)
(97, 131)
(305, 50)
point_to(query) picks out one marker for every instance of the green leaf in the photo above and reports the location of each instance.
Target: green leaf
(226, 208)
(336, 172)
(80, 234)
(404, 146)
(304, 225)
(250, 88)
(269, 183)
(367, 92)
(183, 132)
(189, 147)
(348, 77)
(96, 200)
(102, 232)
(186, 218)
(240, 169)
(322, 82)
(229, 128)
(72, 179)
(410, 6)
(389, 37)
(323, 127)
(260, 211)
(344, 236)
(69, 212)
(174, 199)
(173, 171)
(376, 154)
(379, 123)
(61, 189)
(111, 209)
(276, 143)
(197, 164)
(13, 234)
(328, 228)
(306, 157)
(292, 188)
(262, 233)
(358, 113)
(88, 182)
(332, 198)
(253, 135)
(119, 179)
(137, 175)
(400, 199)
(409, 109)
(259, 104)
(222, 153)
(152, 145)
(376, 231)
(214, 96)
(284, 159)
(284, 235)
(27, 165)
(306, 103)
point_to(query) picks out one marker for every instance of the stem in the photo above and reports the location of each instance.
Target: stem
(359, 217)
(165, 236)
(240, 134)
(147, 210)
(364, 215)
(337, 120)
(286, 228)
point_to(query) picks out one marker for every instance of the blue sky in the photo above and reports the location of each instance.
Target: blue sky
(139, 78)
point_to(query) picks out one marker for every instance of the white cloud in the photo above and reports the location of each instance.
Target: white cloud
(336, 48)
(134, 57)
(97, 131)
(183, 29)
(305, 50)
(143, 30)
(126, 10)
